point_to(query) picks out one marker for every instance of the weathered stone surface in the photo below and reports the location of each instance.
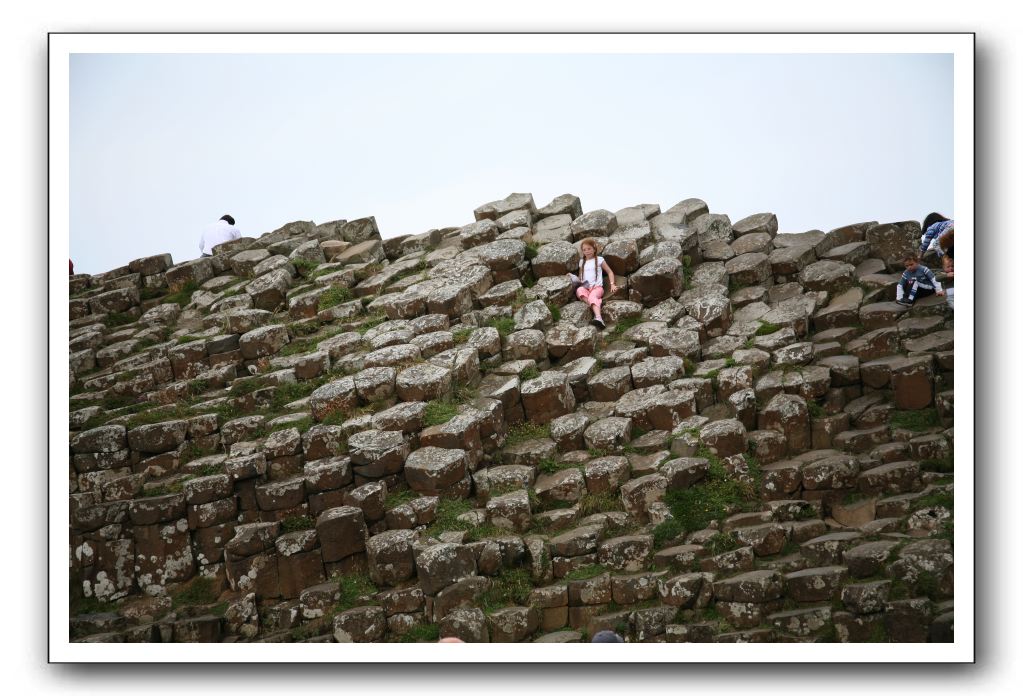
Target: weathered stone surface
(389, 557)
(832, 276)
(547, 397)
(640, 493)
(440, 565)
(724, 438)
(342, 533)
(510, 511)
(658, 280)
(756, 586)
(432, 470)
(423, 382)
(608, 433)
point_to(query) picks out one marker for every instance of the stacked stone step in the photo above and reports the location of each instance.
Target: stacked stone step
(725, 340)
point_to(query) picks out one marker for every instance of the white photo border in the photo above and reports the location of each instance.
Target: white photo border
(63, 45)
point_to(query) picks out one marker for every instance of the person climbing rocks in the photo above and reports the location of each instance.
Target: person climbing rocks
(934, 226)
(223, 230)
(917, 281)
(591, 278)
(946, 243)
(948, 266)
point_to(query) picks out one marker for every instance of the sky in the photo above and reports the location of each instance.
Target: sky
(163, 144)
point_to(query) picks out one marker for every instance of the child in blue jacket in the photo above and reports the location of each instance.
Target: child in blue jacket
(917, 281)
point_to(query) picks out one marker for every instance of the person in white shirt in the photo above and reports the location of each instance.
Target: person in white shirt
(223, 230)
(590, 281)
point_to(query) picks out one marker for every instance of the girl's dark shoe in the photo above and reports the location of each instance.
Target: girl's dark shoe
(599, 323)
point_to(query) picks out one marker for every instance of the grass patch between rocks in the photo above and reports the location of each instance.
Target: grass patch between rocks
(356, 590)
(198, 592)
(439, 412)
(297, 523)
(717, 496)
(423, 633)
(586, 572)
(504, 325)
(335, 295)
(526, 431)
(767, 328)
(511, 587)
(923, 419)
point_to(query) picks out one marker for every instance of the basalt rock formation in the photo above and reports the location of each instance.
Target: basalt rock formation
(323, 435)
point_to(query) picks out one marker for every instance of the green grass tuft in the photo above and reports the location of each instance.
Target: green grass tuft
(923, 419)
(592, 503)
(297, 523)
(713, 499)
(767, 327)
(666, 533)
(304, 267)
(504, 325)
(335, 295)
(586, 572)
(183, 296)
(297, 347)
(525, 431)
(422, 633)
(397, 498)
(720, 543)
(531, 372)
(115, 319)
(356, 591)
(199, 591)
(555, 312)
(943, 499)
(625, 324)
(509, 588)
(446, 519)
(439, 412)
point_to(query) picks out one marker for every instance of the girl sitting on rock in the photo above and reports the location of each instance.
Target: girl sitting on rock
(591, 278)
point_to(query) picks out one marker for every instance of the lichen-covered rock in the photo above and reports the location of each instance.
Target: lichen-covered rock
(640, 493)
(608, 433)
(360, 625)
(342, 532)
(547, 397)
(658, 280)
(423, 382)
(389, 557)
(432, 470)
(626, 553)
(510, 511)
(440, 565)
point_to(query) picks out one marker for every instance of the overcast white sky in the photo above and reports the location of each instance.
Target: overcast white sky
(163, 144)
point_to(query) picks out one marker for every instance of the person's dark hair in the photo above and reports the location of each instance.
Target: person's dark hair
(933, 218)
(228, 218)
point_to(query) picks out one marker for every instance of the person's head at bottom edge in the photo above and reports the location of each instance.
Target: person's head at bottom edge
(607, 637)
(450, 639)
